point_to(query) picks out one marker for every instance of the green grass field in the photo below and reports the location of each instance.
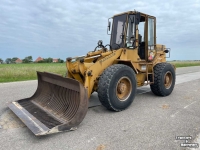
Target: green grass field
(22, 72)
(185, 63)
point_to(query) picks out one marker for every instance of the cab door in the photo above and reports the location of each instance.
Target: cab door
(146, 36)
(151, 38)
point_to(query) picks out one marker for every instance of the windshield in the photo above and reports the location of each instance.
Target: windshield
(117, 37)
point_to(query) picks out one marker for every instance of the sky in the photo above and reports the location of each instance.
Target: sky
(68, 28)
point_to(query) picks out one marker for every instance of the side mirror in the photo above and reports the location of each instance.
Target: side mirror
(109, 26)
(109, 23)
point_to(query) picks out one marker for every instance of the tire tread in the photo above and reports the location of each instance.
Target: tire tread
(104, 83)
(156, 88)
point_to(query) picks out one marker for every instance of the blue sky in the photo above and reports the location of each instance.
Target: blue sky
(64, 28)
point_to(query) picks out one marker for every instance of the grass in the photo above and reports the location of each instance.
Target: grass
(22, 72)
(185, 63)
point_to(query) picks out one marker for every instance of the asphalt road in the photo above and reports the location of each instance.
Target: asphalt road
(151, 122)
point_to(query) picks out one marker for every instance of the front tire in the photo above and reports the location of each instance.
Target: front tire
(117, 87)
(164, 79)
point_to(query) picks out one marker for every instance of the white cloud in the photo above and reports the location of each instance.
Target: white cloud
(59, 28)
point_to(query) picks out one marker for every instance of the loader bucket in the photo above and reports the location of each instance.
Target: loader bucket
(59, 104)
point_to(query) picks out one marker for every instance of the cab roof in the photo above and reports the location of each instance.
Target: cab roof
(133, 12)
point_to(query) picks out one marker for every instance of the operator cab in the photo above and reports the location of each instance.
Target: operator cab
(133, 30)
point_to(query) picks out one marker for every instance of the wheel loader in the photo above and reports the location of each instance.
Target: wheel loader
(132, 59)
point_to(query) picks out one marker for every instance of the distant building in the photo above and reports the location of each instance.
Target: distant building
(18, 61)
(38, 59)
(55, 60)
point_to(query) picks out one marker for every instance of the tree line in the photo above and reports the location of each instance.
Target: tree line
(29, 59)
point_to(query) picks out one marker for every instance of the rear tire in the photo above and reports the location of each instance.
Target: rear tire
(117, 87)
(164, 79)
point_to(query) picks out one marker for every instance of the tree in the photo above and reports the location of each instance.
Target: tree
(27, 59)
(30, 59)
(46, 60)
(13, 59)
(60, 61)
(41, 61)
(1, 61)
(49, 60)
(8, 60)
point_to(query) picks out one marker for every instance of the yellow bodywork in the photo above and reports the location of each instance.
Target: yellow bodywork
(88, 73)
(87, 69)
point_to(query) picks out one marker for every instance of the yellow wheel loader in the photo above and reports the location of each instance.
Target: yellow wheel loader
(114, 71)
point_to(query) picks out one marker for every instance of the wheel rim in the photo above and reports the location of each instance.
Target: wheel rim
(168, 80)
(123, 88)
